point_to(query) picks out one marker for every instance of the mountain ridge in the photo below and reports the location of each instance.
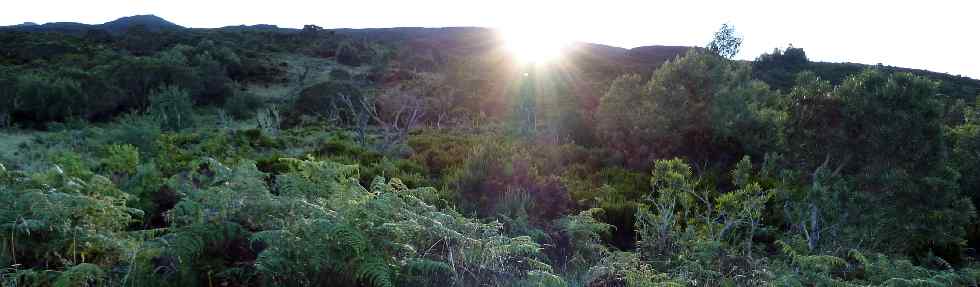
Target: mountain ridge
(121, 25)
(429, 37)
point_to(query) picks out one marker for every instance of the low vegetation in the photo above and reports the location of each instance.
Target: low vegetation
(258, 157)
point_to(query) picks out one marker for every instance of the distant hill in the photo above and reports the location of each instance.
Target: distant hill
(656, 55)
(604, 59)
(61, 27)
(779, 70)
(259, 27)
(442, 43)
(151, 23)
(468, 41)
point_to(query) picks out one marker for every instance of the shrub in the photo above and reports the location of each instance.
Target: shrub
(496, 170)
(579, 245)
(215, 85)
(121, 159)
(439, 153)
(340, 74)
(626, 269)
(63, 218)
(337, 101)
(43, 97)
(141, 131)
(172, 106)
(316, 225)
(243, 105)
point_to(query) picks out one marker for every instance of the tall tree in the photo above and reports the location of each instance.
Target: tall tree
(678, 111)
(725, 42)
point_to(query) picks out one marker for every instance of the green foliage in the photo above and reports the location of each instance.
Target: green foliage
(121, 159)
(747, 203)
(964, 140)
(813, 127)
(618, 109)
(37, 96)
(613, 190)
(88, 78)
(439, 153)
(141, 131)
(357, 53)
(584, 233)
(342, 147)
(81, 275)
(243, 106)
(679, 110)
(60, 218)
(725, 42)
(172, 106)
(672, 181)
(626, 269)
(856, 269)
(498, 172)
(865, 177)
(337, 101)
(905, 110)
(780, 67)
(812, 268)
(338, 232)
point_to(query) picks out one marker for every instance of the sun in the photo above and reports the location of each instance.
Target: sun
(531, 45)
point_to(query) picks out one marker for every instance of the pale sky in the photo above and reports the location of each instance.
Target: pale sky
(938, 35)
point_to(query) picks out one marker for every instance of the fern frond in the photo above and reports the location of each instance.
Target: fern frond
(80, 275)
(374, 272)
(428, 267)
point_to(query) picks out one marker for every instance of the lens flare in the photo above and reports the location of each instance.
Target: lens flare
(534, 45)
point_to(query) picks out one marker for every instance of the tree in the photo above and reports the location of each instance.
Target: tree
(214, 82)
(8, 96)
(965, 150)
(620, 109)
(814, 129)
(780, 68)
(725, 42)
(43, 97)
(671, 181)
(679, 110)
(894, 132)
(397, 112)
(328, 101)
(311, 31)
(882, 134)
(745, 204)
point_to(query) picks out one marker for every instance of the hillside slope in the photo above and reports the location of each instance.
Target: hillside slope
(149, 22)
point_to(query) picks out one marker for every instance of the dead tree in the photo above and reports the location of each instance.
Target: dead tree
(395, 113)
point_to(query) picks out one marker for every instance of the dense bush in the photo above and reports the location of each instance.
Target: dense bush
(335, 101)
(683, 110)
(62, 219)
(172, 107)
(88, 79)
(498, 171)
(379, 236)
(243, 106)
